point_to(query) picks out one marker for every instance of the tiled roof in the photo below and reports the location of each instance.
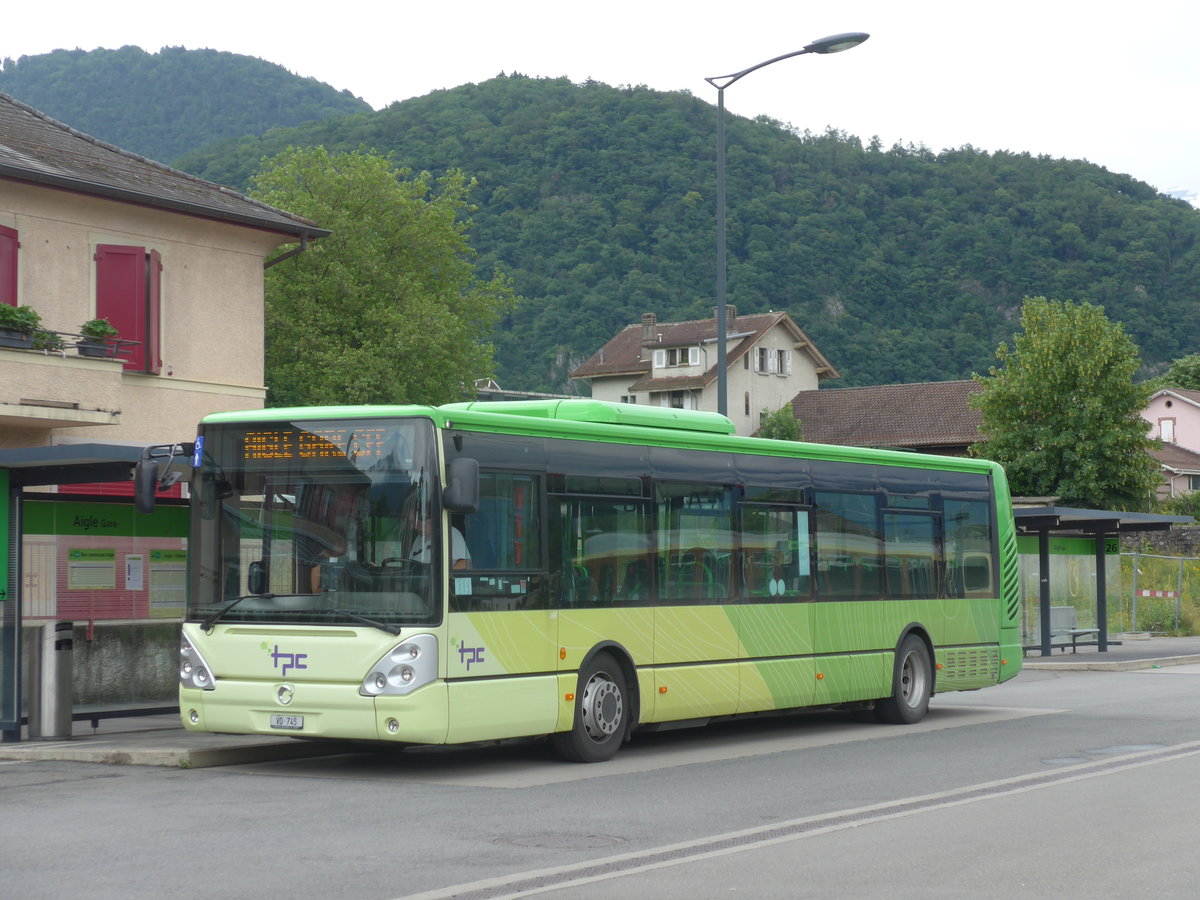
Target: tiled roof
(628, 354)
(925, 415)
(38, 149)
(1177, 459)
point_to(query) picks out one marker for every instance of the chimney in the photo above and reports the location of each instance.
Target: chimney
(649, 324)
(730, 314)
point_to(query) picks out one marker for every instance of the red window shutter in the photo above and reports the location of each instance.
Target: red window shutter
(8, 266)
(153, 331)
(121, 296)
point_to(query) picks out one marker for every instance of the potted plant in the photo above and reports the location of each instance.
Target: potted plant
(17, 325)
(95, 338)
(45, 339)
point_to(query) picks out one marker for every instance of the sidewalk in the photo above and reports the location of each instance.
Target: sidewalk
(160, 740)
(1125, 652)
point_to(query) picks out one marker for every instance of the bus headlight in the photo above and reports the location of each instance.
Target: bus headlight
(193, 670)
(404, 668)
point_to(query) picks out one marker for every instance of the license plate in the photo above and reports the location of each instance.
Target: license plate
(289, 723)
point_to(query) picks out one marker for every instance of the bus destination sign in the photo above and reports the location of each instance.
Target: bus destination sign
(354, 442)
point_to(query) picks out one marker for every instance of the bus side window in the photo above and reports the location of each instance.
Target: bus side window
(848, 545)
(605, 552)
(970, 569)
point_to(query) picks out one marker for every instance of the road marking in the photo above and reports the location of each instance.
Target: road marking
(508, 769)
(524, 884)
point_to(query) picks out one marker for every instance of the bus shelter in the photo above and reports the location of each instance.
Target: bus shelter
(22, 469)
(1104, 529)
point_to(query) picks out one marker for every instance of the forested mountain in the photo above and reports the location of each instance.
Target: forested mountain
(163, 104)
(901, 263)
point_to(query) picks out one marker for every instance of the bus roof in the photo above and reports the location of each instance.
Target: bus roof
(603, 420)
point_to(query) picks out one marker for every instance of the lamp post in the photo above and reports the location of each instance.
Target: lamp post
(833, 44)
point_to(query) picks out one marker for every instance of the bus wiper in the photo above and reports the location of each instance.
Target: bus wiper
(208, 623)
(374, 623)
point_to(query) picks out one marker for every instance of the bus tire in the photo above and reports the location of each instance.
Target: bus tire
(912, 685)
(601, 713)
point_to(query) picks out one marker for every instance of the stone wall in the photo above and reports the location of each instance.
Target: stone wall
(1179, 541)
(118, 665)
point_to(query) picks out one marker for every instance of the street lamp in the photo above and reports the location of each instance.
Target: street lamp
(835, 43)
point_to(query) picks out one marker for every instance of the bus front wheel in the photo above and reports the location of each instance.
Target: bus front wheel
(601, 713)
(912, 685)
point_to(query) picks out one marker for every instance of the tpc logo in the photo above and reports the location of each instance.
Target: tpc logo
(469, 655)
(289, 661)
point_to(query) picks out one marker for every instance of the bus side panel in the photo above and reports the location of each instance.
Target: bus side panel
(493, 708)
(696, 692)
(500, 669)
(857, 640)
(858, 676)
(504, 643)
(696, 634)
(972, 620)
(780, 636)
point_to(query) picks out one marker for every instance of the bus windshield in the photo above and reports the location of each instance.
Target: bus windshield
(315, 522)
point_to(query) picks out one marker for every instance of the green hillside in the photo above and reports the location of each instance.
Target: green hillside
(901, 263)
(163, 104)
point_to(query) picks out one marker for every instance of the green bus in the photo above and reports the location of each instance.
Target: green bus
(577, 569)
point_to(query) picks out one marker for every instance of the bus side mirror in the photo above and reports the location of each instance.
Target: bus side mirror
(462, 485)
(145, 481)
(256, 578)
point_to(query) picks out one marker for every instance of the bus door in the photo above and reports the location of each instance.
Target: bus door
(502, 636)
(776, 627)
(604, 556)
(696, 644)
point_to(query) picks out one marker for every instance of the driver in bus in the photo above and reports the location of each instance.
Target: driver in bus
(422, 547)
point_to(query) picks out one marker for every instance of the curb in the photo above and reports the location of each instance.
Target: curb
(1126, 665)
(119, 752)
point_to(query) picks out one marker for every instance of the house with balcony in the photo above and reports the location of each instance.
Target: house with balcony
(175, 264)
(768, 360)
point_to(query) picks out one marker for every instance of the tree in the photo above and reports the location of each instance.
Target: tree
(781, 425)
(1061, 411)
(387, 309)
(1182, 373)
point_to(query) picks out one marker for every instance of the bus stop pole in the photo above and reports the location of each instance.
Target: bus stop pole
(1044, 588)
(1101, 593)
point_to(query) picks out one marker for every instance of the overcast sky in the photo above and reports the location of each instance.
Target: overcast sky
(1115, 84)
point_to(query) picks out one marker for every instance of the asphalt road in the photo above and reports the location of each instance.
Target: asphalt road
(1060, 783)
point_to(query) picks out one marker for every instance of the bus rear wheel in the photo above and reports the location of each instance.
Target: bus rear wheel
(912, 685)
(601, 713)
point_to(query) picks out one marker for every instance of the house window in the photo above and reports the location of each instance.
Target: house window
(8, 266)
(1166, 430)
(629, 398)
(676, 356)
(747, 400)
(772, 362)
(678, 399)
(1194, 482)
(128, 290)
